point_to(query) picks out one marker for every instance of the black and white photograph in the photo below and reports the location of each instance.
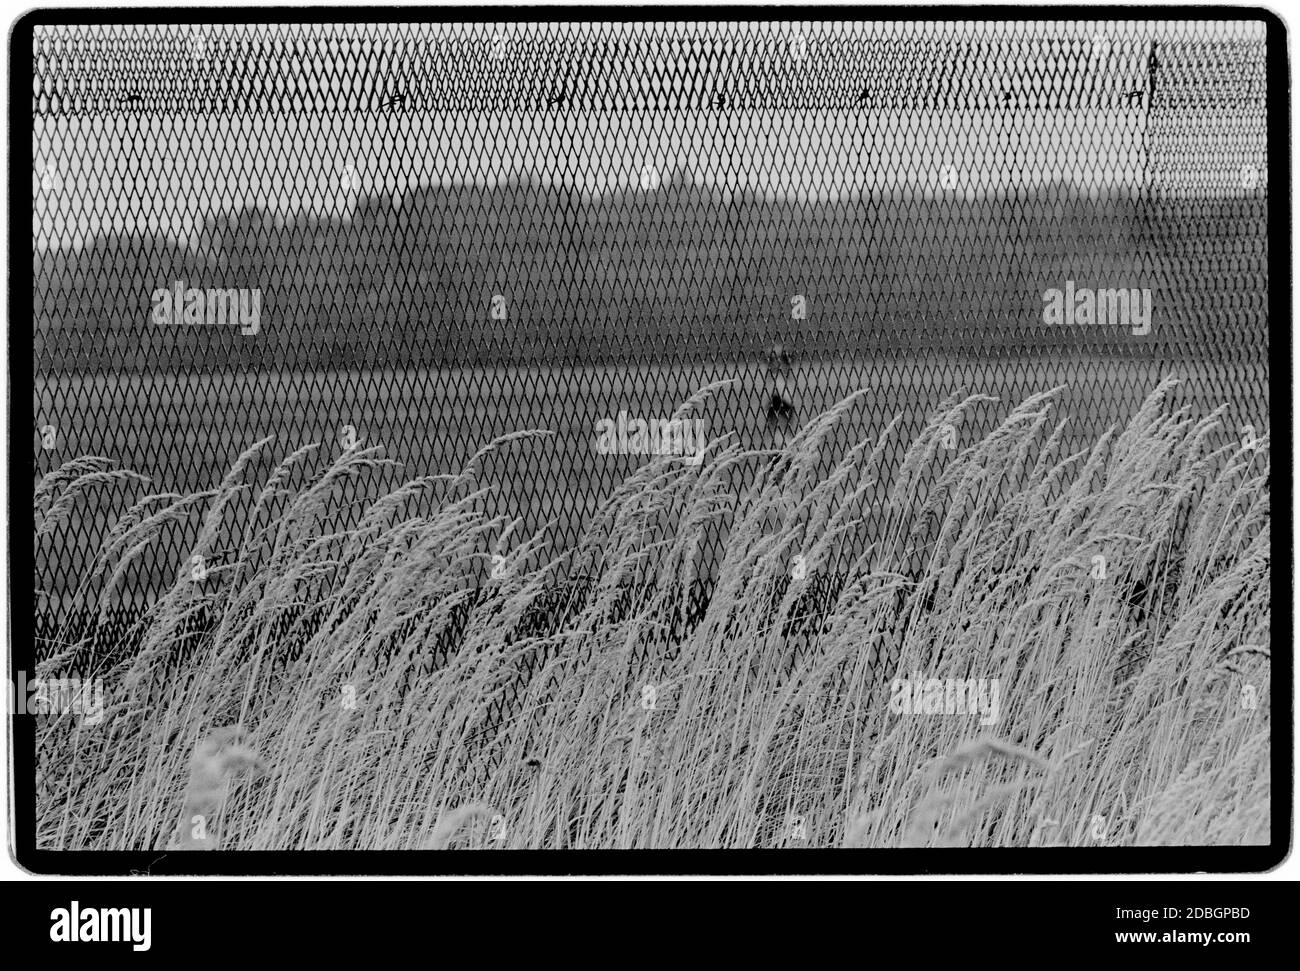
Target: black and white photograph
(654, 433)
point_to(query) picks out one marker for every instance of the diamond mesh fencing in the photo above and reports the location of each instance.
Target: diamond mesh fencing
(426, 237)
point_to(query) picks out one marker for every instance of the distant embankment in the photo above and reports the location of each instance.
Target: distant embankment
(524, 273)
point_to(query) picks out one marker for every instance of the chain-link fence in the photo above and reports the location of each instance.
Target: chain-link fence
(429, 236)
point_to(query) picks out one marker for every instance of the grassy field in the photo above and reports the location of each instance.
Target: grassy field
(1134, 690)
(184, 431)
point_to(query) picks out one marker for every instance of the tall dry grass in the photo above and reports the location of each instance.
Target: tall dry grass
(1126, 713)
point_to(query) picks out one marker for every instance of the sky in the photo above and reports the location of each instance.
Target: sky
(973, 109)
